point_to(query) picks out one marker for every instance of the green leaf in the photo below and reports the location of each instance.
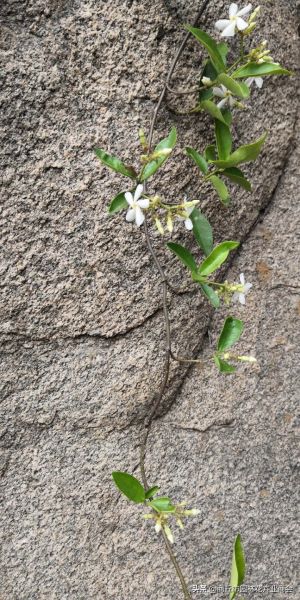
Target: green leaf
(198, 159)
(212, 109)
(115, 163)
(223, 139)
(237, 176)
(210, 45)
(202, 231)
(223, 49)
(216, 257)
(185, 256)
(240, 90)
(151, 492)
(167, 143)
(227, 115)
(221, 189)
(129, 486)
(223, 366)
(238, 566)
(243, 154)
(254, 69)
(210, 152)
(208, 71)
(210, 294)
(162, 504)
(118, 203)
(231, 332)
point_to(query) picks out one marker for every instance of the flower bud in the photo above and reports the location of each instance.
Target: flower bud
(159, 226)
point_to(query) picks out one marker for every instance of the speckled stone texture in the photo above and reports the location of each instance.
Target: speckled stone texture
(81, 321)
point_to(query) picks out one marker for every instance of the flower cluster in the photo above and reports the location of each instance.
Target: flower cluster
(162, 518)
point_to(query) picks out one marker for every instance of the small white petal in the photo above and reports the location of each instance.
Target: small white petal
(157, 527)
(217, 91)
(229, 31)
(247, 287)
(242, 299)
(233, 8)
(139, 216)
(129, 198)
(241, 24)
(249, 81)
(130, 215)
(244, 11)
(242, 278)
(169, 534)
(222, 103)
(144, 203)
(222, 24)
(188, 224)
(259, 82)
(232, 102)
(138, 192)
(235, 297)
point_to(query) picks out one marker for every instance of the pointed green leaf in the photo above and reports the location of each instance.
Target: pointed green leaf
(223, 366)
(223, 139)
(202, 231)
(210, 152)
(118, 203)
(115, 163)
(129, 486)
(166, 144)
(216, 257)
(185, 255)
(151, 492)
(254, 69)
(210, 45)
(223, 49)
(243, 154)
(237, 176)
(212, 109)
(239, 90)
(221, 189)
(210, 294)
(162, 504)
(231, 332)
(238, 567)
(198, 159)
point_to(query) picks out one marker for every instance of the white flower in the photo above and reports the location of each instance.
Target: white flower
(243, 289)
(135, 212)
(226, 95)
(235, 22)
(257, 80)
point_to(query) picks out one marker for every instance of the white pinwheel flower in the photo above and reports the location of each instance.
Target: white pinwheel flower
(226, 95)
(257, 80)
(136, 204)
(242, 291)
(228, 27)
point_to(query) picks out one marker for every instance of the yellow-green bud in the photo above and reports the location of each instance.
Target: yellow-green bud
(159, 226)
(249, 359)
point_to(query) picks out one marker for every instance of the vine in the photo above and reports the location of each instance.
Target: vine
(222, 89)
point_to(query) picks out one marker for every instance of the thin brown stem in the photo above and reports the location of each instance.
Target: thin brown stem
(177, 568)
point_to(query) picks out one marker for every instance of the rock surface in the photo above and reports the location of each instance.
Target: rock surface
(81, 320)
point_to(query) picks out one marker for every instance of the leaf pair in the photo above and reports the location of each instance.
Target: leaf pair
(161, 153)
(134, 491)
(212, 262)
